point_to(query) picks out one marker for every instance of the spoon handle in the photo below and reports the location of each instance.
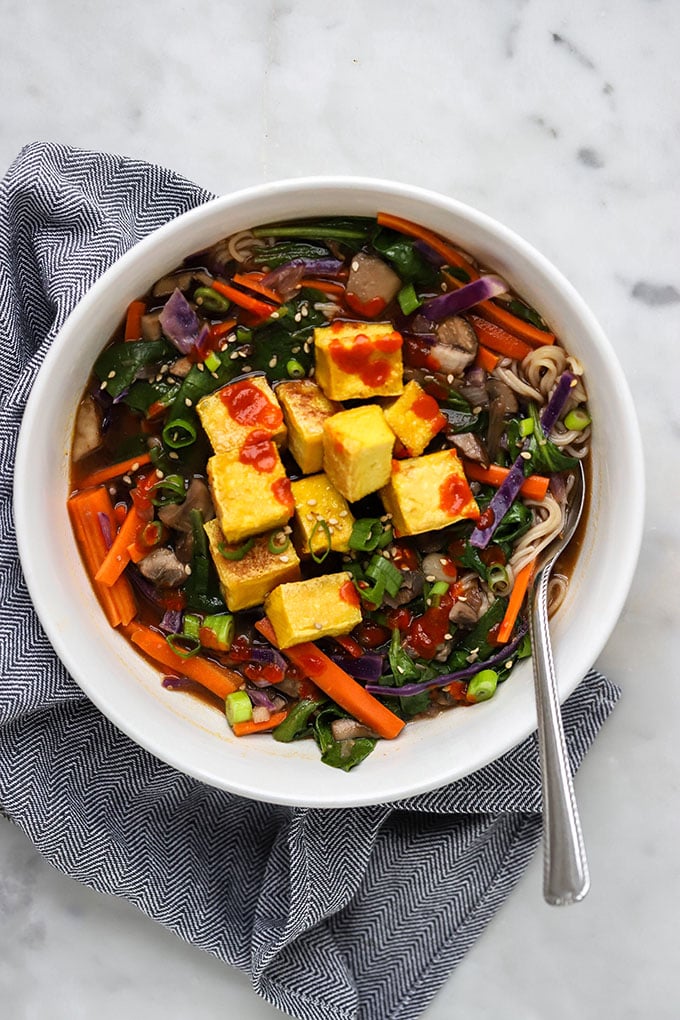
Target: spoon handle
(565, 868)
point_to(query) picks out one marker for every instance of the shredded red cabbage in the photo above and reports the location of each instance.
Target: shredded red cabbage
(105, 527)
(410, 690)
(456, 301)
(179, 322)
(368, 667)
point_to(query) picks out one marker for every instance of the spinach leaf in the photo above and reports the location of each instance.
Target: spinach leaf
(527, 313)
(339, 754)
(405, 258)
(546, 458)
(478, 638)
(119, 364)
(286, 251)
(143, 394)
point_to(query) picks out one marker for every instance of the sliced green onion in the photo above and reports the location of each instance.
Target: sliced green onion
(210, 300)
(152, 534)
(212, 362)
(439, 588)
(408, 299)
(526, 427)
(497, 579)
(179, 432)
(222, 626)
(243, 335)
(483, 685)
(191, 626)
(238, 707)
(369, 534)
(382, 570)
(170, 489)
(238, 553)
(294, 368)
(320, 556)
(278, 542)
(184, 645)
(578, 419)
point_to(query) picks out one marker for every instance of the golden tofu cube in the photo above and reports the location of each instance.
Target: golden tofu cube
(308, 610)
(357, 450)
(249, 500)
(234, 412)
(427, 493)
(305, 408)
(355, 360)
(319, 506)
(415, 418)
(246, 582)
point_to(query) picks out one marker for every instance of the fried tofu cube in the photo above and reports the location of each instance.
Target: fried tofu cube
(249, 500)
(305, 408)
(357, 450)
(308, 610)
(415, 418)
(427, 493)
(321, 516)
(235, 411)
(358, 360)
(247, 581)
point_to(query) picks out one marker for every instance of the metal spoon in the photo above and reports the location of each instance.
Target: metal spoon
(565, 868)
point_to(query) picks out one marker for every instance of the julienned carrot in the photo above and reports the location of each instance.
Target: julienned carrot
(243, 300)
(118, 557)
(447, 251)
(338, 684)
(218, 679)
(133, 321)
(486, 359)
(244, 729)
(498, 339)
(324, 285)
(513, 324)
(519, 590)
(85, 508)
(253, 281)
(533, 487)
(115, 470)
(219, 330)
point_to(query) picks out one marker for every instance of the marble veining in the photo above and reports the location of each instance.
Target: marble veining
(560, 120)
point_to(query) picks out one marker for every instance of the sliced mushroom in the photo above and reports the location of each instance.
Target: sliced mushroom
(182, 280)
(162, 568)
(350, 729)
(181, 368)
(411, 586)
(151, 327)
(370, 278)
(471, 446)
(176, 515)
(466, 611)
(434, 565)
(502, 403)
(456, 345)
(88, 431)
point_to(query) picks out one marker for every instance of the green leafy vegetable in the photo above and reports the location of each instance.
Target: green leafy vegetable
(119, 364)
(405, 258)
(339, 754)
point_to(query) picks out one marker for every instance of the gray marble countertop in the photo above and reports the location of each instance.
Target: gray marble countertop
(560, 120)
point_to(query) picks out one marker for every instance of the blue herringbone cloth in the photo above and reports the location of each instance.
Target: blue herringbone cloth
(334, 914)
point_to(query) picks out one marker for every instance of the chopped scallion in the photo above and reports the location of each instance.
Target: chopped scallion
(179, 432)
(294, 368)
(526, 426)
(221, 626)
(212, 362)
(577, 420)
(320, 555)
(369, 534)
(238, 553)
(210, 301)
(184, 645)
(170, 489)
(238, 707)
(278, 542)
(408, 299)
(483, 685)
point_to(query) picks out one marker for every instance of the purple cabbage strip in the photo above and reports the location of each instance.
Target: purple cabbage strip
(105, 527)
(181, 683)
(320, 267)
(171, 622)
(258, 697)
(509, 490)
(179, 322)
(368, 667)
(429, 254)
(267, 656)
(456, 301)
(410, 690)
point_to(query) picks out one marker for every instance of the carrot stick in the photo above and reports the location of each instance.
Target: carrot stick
(447, 251)
(498, 339)
(324, 285)
(338, 684)
(486, 359)
(218, 679)
(244, 729)
(513, 324)
(251, 304)
(136, 553)
(118, 557)
(533, 487)
(253, 281)
(118, 601)
(519, 590)
(115, 470)
(219, 330)
(133, 321)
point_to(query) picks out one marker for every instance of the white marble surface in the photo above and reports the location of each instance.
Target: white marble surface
(562, 120)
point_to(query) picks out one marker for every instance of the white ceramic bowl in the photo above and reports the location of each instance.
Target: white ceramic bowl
(194, 738)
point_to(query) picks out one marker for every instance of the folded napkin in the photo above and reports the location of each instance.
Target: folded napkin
(359, 913)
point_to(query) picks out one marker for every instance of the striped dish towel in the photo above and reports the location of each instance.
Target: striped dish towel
(357, 913)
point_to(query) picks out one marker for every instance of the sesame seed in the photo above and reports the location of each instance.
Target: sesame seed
(311, 517)
(272, 361)
(318, 626)
(305, 310)
(386, 554)
(332, 520)
(355, 265)
(274, 315)
(103, 385)
(449, 378)
(477, 409)
(508, 664)
(462, 598)
(284, 559)
(127, 479)
(447, 637)
(296, 349)
(247, 368)
(233, 355)
(288, 530)
(343, 513)
(243, 354)
(443, 560)
(160, 474)
(297, 317)
(164, 369)
(188, 402)
(525, 455)
(305, 347)
(214, 375)
(173, 456)
(400, 669)
(111, 375)
(187, 569)
(311, 502)
(224, 346)
(430, 578)
(135, 466)
(574, 382)
(200, 366)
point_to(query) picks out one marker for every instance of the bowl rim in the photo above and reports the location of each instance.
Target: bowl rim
(352, 794)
